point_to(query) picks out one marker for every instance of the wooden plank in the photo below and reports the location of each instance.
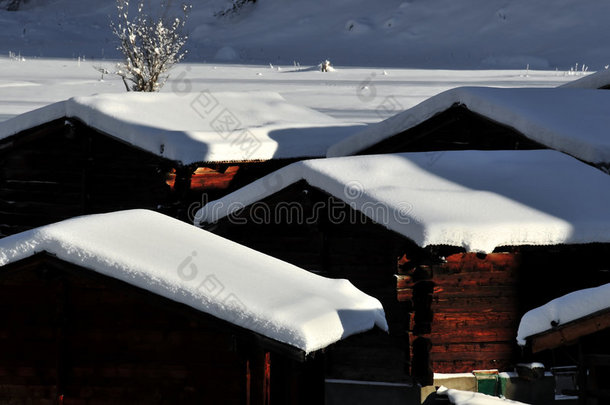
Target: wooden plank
(475, 279)
(455, 128)
(569, 333)
(462, 292)
(474, 262)
(474, 351)
(471, 335)
(472, 304)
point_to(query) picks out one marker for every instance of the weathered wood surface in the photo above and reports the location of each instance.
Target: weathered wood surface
(456, 128)
(471, 312)
(570, 332)
(71, 333)
(64, 169)
(467, 305)
(358, 252)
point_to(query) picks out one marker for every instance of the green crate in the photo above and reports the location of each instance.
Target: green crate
(487, 381)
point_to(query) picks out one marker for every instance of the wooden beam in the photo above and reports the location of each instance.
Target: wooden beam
(570, 332)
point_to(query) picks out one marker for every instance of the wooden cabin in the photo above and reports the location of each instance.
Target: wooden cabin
(456, 247)
(136, 307)
(570, 120)
(156, 151)
(574, 330)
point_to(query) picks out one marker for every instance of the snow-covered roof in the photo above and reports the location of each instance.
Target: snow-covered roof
(562, 310)
(478, 200)
(209, 273)
(199, 127)
(574, 121)
(595, 80)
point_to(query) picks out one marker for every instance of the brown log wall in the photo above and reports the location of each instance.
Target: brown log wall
(471, 313)
(64, 169)
(462, 310)
(456, 128)
(72, 336)
(360, 252)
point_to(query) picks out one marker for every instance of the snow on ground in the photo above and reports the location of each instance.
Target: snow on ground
(457, 397)
(478, 200)
(562, 310)
(205, 127)
(574, 121)
(353, 95)
(207, 272)
(57, 43)
(432, 34)
(594, 81)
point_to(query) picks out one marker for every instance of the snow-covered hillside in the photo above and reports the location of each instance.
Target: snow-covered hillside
(466, 34)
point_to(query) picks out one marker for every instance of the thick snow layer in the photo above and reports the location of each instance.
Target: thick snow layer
(350, 94)
(477, 200)
(593, 81)
(467, 34)
(207, 272)
(201, 126)
(574, 121)
(562, 310)
(457, 397)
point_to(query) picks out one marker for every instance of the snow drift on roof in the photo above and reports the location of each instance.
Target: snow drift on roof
(562, 310)
(199, 127)
(595, 80)
(207, 272)
(574, 121)
(477, 200)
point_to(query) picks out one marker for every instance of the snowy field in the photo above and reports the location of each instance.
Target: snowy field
(389, 55)
(351, 94)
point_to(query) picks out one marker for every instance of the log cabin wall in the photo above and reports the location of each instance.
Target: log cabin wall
(213, 180)
(467, 308)
(63, 169)
(72, 336)
(456, 128)
(304, 226)
(448, 311)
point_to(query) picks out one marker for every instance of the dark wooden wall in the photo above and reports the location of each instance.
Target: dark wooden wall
(448, 311)
(72, 336)
(456, 128)
(466, 309)
(64, 169)
(307, 228)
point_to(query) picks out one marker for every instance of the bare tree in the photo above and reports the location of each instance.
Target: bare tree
(236, 6)
(150, 46)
